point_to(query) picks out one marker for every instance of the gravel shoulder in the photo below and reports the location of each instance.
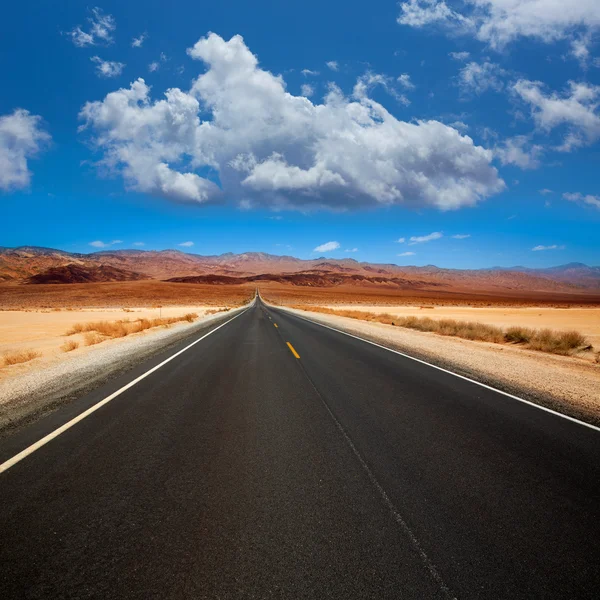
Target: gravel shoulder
(562, 383)
(37, 392)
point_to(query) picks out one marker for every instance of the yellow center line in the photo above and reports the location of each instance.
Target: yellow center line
(293, 351)
(275, 324)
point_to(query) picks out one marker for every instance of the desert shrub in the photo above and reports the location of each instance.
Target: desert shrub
(557, 342)
(19, 356)
(69, 346)
(519, 335)
(91, 339)
(76, 328)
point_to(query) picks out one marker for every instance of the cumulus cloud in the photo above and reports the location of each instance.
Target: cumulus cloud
(420, 239)
(22, 137)
(407, 254)
(186, 244)
(542, 248)
(269, 147)
(583, 199)
(307, 72)
(477, 78)
(461, 236)
(519, 151)
(101, 244)
(459, 55)
(576, 108)
(307, 90)
(333, 65)
(499, 22)
(327, 247)
(153, 66)
(107, 68)
(137, 42)
(99, 31)
(546, 191)
(401, 240)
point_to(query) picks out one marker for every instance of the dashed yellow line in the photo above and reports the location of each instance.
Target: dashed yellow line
(292, 349)
(276, 325)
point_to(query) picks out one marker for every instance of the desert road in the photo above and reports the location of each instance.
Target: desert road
(277, 458)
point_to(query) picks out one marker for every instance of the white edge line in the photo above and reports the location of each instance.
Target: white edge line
(489, 387)
(11, 462)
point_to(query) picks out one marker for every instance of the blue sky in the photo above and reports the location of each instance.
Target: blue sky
(323, 122)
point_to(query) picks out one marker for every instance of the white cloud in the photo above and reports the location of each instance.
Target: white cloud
(407, 254)
(333, 65)
(420, 239)
(459, 55)
(100, 30)
(186, 244)
(519, 151)
(405, 82)
(546, 191)
(418, 13)
(401, 240)
(552, 247)
(461, 236)
(107, 68)
(153, 66)
(272, 148)
(307, 72)
(351, 250)
(583, 199)
(101, 244)
(137, 42)
(307, 90)
(479, 77)
(460, 126)
(327, 247)
(21, 137)
(139, 244)
(576, 109)
(499, 22)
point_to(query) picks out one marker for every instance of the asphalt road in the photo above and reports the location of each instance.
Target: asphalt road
(328, 468)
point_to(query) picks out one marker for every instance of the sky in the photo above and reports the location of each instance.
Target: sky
(463, 134)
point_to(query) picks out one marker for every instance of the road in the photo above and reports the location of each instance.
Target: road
(276, 458)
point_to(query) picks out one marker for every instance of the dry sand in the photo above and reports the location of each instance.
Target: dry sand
(584, 320)
(559, 382)
(44, 331)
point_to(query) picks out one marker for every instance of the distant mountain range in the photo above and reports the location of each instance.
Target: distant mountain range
(34, 265)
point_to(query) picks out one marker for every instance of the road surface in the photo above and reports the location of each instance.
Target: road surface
(276, 458)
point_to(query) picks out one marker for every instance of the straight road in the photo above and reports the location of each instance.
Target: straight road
(276, 458)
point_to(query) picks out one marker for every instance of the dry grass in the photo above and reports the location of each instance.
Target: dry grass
(90, 339)
(19, 356)
(543, 340)
(98, 331)
(69, 346)
(214, 311)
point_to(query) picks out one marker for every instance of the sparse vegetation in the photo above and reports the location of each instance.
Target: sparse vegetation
(90, 339)
(98, 331)
(19, 356)
(544, 340)
(213, 311)
(69, 346)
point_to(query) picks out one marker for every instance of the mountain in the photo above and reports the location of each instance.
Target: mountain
(30, 264)
(575, 273)
(72, 273)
